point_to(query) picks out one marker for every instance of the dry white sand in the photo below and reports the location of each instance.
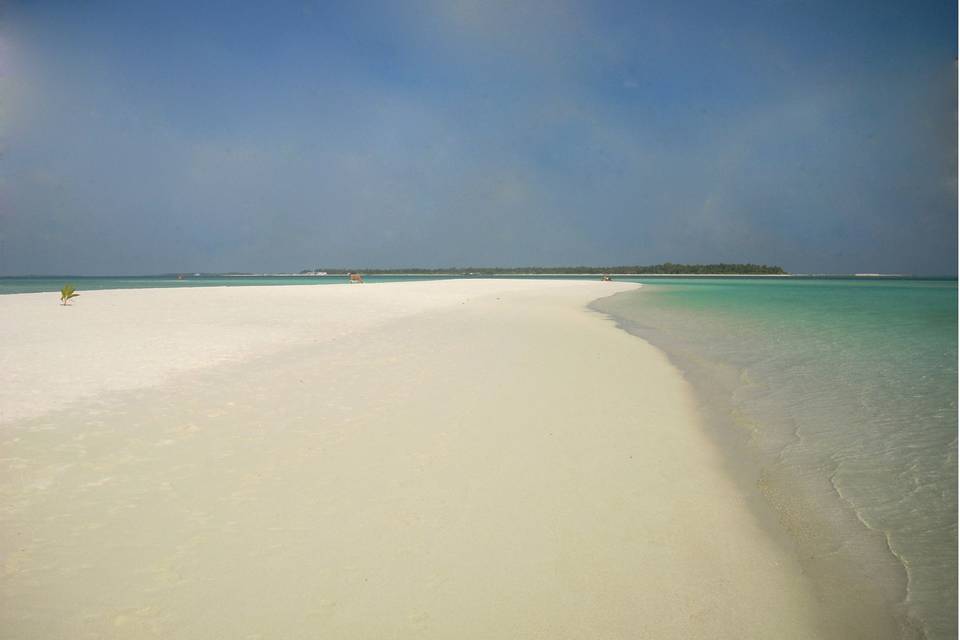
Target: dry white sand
(455, 459)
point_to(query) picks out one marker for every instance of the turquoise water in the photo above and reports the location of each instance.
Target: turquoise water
(842, 393)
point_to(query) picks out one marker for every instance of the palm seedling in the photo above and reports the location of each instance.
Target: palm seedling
(67, 293)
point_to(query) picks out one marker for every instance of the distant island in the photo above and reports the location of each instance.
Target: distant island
(666, 268)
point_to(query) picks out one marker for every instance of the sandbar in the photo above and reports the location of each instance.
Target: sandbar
(449, 459)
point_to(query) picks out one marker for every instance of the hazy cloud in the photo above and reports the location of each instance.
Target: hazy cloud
(174, 138)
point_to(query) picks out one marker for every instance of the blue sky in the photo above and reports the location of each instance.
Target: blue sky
(160, 137)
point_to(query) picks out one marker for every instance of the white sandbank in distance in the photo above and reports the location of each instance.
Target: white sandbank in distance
(451, 459)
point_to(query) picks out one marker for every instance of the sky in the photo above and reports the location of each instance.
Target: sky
(158, 137)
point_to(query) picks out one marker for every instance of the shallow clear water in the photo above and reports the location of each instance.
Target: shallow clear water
(844, 394)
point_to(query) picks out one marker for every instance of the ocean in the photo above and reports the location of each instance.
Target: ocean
(837, 401)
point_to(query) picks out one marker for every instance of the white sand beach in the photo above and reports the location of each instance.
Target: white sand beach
(450, 459)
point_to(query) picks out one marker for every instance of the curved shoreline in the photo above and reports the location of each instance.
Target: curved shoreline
(798, 521)
(468, 459)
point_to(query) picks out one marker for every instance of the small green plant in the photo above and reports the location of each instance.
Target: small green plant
(67, 293)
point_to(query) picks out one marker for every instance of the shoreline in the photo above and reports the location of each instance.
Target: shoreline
(514, 448)
(19, 285)
(783, 505)
(456, 274)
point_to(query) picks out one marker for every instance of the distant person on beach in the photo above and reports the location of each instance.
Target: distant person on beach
(355, 277)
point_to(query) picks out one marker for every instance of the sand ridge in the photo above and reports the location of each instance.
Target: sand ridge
(112, 340)
(504, 464)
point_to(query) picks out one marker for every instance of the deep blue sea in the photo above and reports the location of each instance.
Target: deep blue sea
(842, 394)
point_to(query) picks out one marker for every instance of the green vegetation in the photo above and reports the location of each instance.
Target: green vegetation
(67, 293)
(667, 268)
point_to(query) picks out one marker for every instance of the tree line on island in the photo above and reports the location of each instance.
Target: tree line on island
(666, 268)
